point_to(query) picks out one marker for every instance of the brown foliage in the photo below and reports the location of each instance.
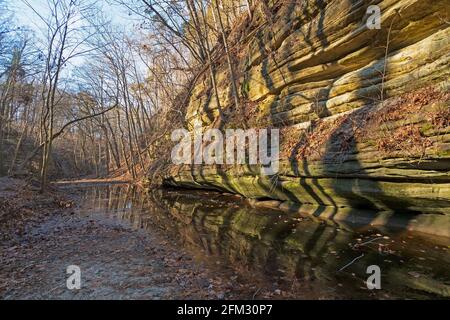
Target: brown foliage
(388, 127)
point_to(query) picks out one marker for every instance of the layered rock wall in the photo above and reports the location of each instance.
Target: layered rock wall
(364, 114)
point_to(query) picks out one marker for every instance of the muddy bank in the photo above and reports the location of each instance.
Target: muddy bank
(21, 205)
(42, 234)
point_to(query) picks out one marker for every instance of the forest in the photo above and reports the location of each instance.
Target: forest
(86, 97)
(224, 149)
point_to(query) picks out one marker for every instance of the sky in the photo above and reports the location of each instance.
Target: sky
(25, 16)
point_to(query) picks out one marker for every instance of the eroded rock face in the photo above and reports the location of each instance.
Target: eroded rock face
(364, 114)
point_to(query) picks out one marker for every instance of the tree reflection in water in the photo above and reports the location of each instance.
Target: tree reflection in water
(289, 249)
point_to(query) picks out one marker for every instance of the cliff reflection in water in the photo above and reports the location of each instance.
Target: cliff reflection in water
(276, 247)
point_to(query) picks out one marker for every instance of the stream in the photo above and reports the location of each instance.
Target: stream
(290, 251)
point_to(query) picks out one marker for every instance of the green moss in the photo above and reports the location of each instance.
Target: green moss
(444, 154)
(245, 88)
(426, 127)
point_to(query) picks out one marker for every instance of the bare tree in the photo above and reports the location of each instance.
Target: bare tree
(66, 36)
(218, 19)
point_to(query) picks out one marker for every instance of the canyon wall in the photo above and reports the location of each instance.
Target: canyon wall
(363, 114)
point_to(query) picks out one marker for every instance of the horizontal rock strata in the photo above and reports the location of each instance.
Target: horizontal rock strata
(364, 114)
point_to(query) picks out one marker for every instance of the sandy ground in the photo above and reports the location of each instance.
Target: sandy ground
(41, 235)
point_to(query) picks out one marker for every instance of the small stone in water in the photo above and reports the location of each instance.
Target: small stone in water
(414, 274)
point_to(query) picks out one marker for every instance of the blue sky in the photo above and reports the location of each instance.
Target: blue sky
(26, 17)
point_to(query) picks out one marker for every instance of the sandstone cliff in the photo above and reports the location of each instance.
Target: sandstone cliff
(364, 114)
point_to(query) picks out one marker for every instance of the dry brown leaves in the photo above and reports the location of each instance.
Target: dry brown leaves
(407, 104)
(328, 138)
(21, 203)
(313, 143)
(407, 139)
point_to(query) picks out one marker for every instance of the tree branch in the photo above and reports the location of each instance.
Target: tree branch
(57, 134)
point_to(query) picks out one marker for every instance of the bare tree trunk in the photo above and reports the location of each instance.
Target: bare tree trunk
(211, 67)
(218, 20)
(249, 8)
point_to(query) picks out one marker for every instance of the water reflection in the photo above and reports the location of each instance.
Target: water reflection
(276, 247)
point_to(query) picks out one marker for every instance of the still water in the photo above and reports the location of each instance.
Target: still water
(291, 250)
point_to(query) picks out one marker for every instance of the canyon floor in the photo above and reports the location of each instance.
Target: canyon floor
(42, 234)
